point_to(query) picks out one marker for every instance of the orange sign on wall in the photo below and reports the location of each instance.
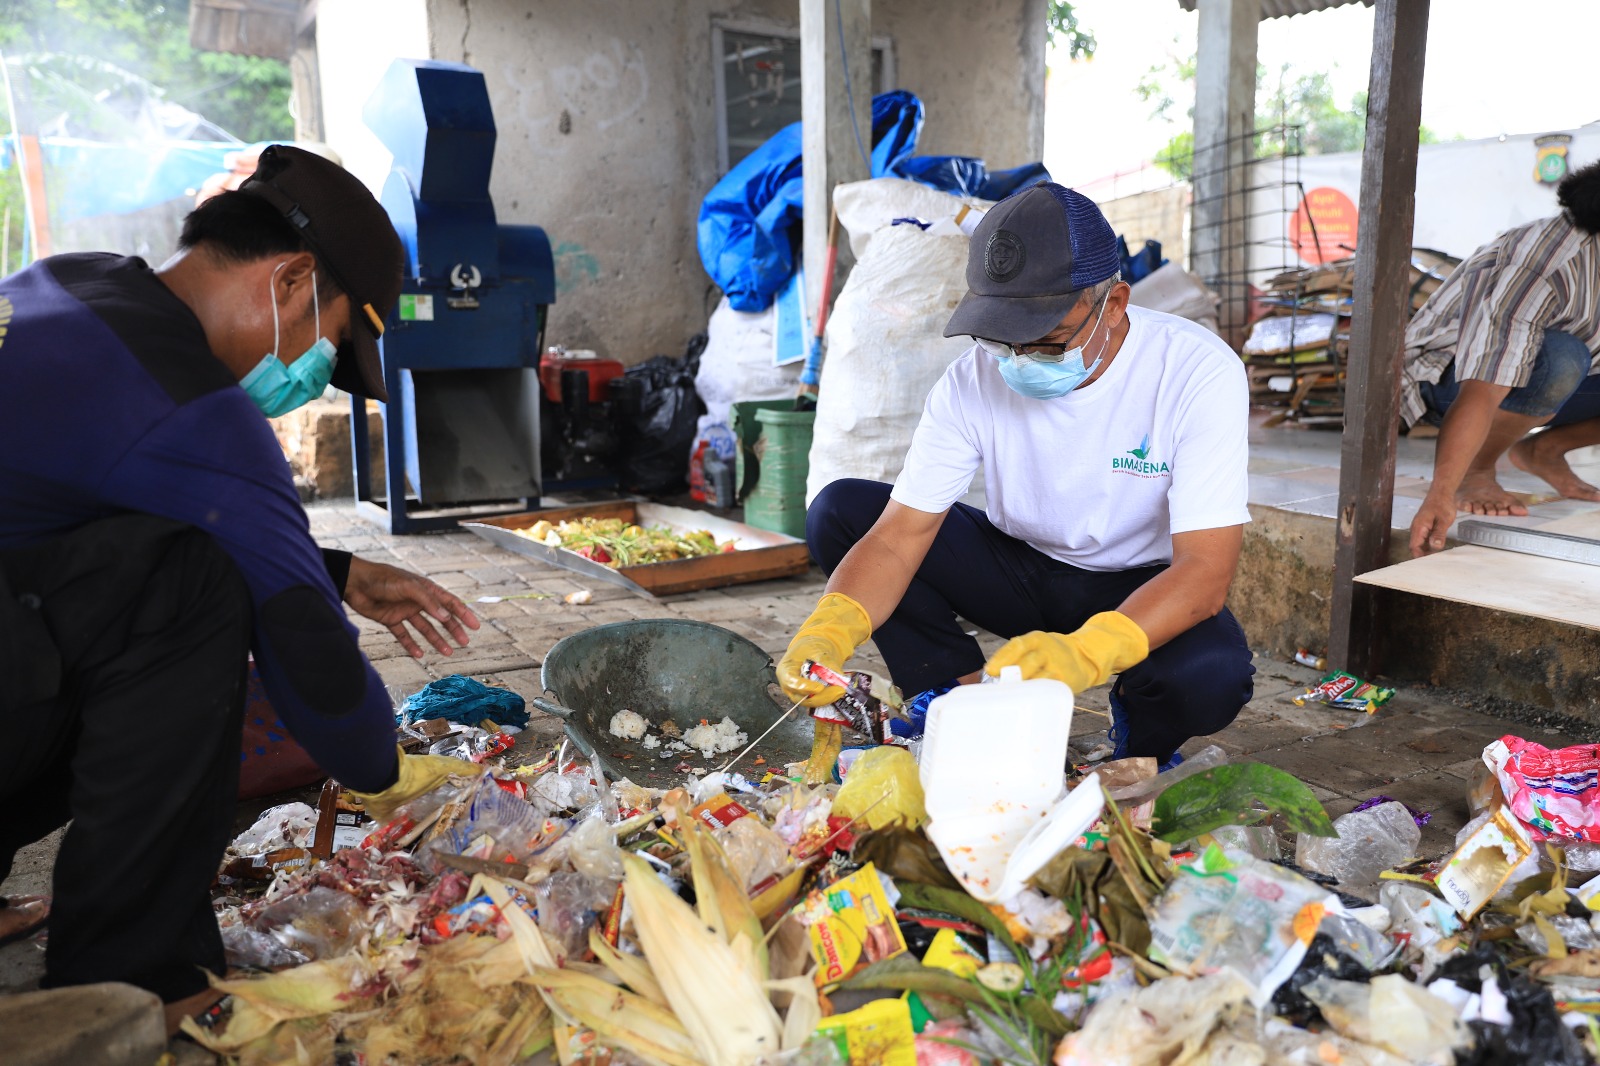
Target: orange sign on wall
(1324, 226)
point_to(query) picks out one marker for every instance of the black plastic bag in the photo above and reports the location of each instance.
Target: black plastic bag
(1536, 1035)
(1323, 959)
(658, 410)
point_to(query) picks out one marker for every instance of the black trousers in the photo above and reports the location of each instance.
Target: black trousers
(1192, 685)
(139, 748)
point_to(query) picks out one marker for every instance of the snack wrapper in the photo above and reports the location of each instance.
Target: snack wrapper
(851, 923)
(878, 1034)
(867, 707)
(1229, 911)
(1555, 793)
(1348, 691)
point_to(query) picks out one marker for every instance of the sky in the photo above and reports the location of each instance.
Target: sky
(1491, 68)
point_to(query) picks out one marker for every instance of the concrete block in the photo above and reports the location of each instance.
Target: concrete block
(316, 439)
(106, 1024)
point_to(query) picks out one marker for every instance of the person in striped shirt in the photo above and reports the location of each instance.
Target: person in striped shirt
(1502, 359)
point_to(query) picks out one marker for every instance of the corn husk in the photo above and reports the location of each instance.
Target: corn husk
(631, 970)
(804, 1012)
(262, 1003)
(711, 984)
(720, 897)
(619, 1018)
(447, 1009)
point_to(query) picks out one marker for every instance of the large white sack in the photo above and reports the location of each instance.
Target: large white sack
(865, 207)
(1172, 289)
(737, 363)
(885, 338)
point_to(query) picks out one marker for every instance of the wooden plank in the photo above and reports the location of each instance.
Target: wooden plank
(1552, 589)
(1377, 326)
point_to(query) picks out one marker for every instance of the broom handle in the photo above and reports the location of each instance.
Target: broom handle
(811, 374)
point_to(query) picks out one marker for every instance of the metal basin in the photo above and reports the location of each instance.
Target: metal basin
(667, 668)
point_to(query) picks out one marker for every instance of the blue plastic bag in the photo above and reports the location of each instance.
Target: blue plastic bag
(746, 230)
(746, 219)
(461, 699)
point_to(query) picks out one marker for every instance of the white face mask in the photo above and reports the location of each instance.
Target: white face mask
(1045, 377)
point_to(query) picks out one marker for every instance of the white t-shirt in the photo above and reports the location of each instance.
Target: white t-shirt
(1102, 477)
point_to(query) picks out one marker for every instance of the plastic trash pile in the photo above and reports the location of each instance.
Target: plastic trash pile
(929, 908)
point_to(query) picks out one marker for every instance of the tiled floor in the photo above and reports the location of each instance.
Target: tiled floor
(1298, 470)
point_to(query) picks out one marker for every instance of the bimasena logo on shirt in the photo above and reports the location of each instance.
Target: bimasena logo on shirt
(1139, 463)
(5, 318)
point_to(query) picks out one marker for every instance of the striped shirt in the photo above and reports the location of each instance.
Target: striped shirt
(1490, 315)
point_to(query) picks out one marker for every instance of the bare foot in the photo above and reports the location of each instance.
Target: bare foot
(1533, 455)
(21, 914)
(1480, 493)
(189, 1007)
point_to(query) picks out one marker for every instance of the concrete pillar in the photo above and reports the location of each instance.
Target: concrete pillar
(305, 77)
(1224, 118)
(832, 151)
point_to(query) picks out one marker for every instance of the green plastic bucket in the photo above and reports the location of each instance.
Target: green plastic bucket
(747, 469)
(778, 501)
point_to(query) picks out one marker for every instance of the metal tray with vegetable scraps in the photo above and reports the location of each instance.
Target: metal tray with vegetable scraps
(651, 549)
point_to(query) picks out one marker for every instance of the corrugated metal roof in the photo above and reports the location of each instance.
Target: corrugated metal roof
(1272, 9)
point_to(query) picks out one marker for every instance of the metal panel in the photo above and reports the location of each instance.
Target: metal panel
(1539, 542)
(477, 435)
(1272, 9)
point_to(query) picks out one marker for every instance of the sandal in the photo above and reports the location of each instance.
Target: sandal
(39, 904)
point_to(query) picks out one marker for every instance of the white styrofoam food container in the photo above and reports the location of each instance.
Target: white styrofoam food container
(993, 764)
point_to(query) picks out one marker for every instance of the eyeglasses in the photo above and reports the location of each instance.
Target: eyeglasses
(1039, 352)
(1044, 353)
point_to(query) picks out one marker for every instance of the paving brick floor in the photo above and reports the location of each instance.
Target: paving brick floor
(1420, 748)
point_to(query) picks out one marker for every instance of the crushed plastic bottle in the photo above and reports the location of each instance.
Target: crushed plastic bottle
(319, 924)
(1258, 840)
(1369, 842)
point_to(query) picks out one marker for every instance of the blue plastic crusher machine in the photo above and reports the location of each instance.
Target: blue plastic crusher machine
(461, 354)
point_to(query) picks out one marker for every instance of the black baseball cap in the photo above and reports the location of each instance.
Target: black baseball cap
(352, 238)
(1031, 257)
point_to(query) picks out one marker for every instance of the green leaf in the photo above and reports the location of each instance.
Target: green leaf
(958, 903)
(1237, 794)
(904, 973)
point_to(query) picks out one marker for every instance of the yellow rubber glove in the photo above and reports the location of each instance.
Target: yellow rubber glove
(830, 636)
(1107, 644)
(419, 775)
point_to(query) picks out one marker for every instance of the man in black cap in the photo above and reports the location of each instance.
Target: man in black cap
(151, 536)
(1112, 440)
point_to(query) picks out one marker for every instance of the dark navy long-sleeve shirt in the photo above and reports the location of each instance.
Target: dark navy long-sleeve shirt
(111, 402)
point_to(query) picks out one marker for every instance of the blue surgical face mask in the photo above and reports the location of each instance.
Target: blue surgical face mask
(277, 389)
(1047, 378)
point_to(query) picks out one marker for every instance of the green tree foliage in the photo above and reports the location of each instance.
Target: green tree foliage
(1061, 23)
(245, 95)
(1298, 115)
(93, 45)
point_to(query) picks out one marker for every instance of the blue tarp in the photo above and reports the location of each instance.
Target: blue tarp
(1136, 266)
(746, 229)
(92, 178)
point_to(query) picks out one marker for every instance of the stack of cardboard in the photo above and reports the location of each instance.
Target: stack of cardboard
(1297, 350)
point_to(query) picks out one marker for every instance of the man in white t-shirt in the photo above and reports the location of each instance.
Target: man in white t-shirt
(1112, 441)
